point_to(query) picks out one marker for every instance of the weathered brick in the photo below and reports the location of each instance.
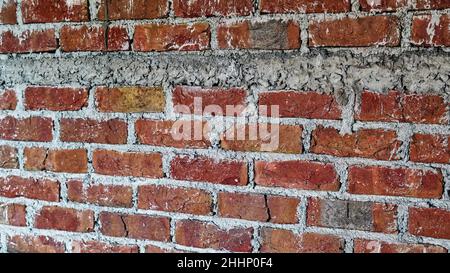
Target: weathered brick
(285, 241)
(263, 138)
(208, 235)
(430, 148)
(199, 8)
(13, 214)
(8, 157)
(100, 247)
(182, 200)
(395, 182)
(205, 169)
(368, 143)
(130, 99)
(382, 5)
(273, 34)
(355, 32)
(42, 189)
(304, 6)
(311, 105)
(432, 4)
(34, 244)
(26, 129)
(178, 134)
(66, 161)
(49, 11)
(8, 12)
(8, 100)
(282, 210)
(429, 222)
(103, 195)
(28, 41)
(66, 219)
(127, 164)
(253, 207)
(232, 97)
(133, 9)
(397, 107)
(85, 38)
(243, 206)
(371, 246)
(430, 31)
(164, 37)
(366, 216)
(55, 98)
(112, 131)
(314, 175)
(135, 226)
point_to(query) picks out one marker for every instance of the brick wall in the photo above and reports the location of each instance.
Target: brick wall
(88, 96)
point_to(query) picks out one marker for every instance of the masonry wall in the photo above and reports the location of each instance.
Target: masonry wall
(87, 99)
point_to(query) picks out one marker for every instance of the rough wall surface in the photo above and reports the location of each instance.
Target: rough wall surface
(88, 91)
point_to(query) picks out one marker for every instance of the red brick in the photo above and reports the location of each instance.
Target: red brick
(49, 11)
(426, 31)
(8, 157)
(395, 182)
(355, 32)
(128, 164)
(26, 129)
(371, 246)
(199, 8)
(304, 6)
(135, 226)
(397, 107)
(55, 98)
(132, 99)
(273, 34)
(13, 214)
(85, 38)
(253, 207)
(8, 12)
(365, 216)
(100, 247)
(243, 206)
(66, 161)
(368, 143)
(112, 131)
(133, 9)
(34, 244)
(181, 200)
(430, 148)
(161, 133)
(310, 105)
(165, 37)
(65, 219)
(103, 195)
(8, 100)
(205, 169)
(222, 97)
(28, 41)
(432, 4)
(314, 175)
(263, 138)
(285, 241)
(429, 222)
(282, 210)
(207, 235)
(42, 189)
(382, 5)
